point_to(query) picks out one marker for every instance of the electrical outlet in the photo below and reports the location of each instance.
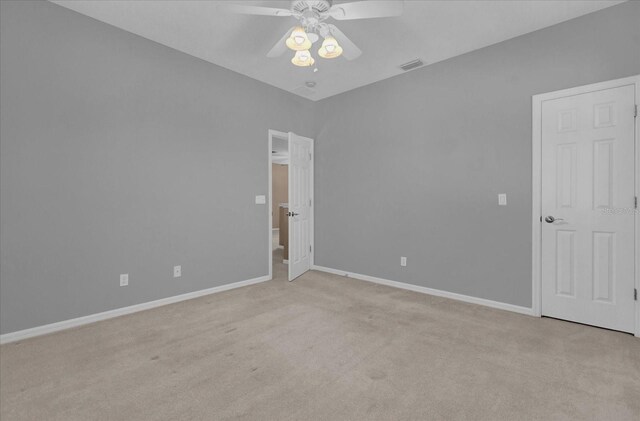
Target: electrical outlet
(403, 261)
(124, 279)
(177, 271)
(502, 199)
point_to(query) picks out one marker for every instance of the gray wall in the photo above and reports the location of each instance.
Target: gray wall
(120, 155)
(412, 166)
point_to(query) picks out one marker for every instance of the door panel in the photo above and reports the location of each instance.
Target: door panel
(300, 159)
(588, 169)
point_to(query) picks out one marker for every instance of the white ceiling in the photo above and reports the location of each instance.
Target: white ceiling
(430, 30)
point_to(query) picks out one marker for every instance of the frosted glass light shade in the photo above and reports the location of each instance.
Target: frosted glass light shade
(303, 59)
(298, 40)
(330, 48)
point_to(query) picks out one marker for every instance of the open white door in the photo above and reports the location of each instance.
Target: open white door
(588, 205)
(300, 196)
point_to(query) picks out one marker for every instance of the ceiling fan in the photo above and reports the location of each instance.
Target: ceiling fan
(312, 15)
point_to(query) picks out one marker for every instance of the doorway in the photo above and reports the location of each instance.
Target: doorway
(585, 189)
(291, 228)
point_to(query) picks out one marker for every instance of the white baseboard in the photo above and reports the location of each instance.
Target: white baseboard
(92, 318)
(430, 291)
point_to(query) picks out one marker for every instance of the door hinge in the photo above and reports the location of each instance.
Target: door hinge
(309, 202)
(635, 111)
(635, 294)
(309, 248)
(309, 156)
(635, 202)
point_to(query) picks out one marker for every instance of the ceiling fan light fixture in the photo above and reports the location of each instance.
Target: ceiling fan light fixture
(330, 48)
(303, 59)
(298, 40)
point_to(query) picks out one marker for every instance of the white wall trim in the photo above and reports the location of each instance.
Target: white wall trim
(536, 143)
(110, 314)
(431, 291)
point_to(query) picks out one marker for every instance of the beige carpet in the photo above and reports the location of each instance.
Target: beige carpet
(322, 348)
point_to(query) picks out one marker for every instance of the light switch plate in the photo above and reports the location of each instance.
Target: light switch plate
(403, 261)
(502, 199)
(124, 279)
(177, 271)
(261, 200)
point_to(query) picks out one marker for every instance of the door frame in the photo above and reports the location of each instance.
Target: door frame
(285, 135)
(536, 222)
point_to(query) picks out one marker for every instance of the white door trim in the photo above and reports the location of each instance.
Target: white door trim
(536, 143)
(272, 134)
(312, 195)
(284, 135)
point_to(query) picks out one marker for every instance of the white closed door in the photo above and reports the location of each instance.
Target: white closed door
(300, 188)
(588, 201)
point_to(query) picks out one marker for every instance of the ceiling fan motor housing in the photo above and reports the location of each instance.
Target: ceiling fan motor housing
(311, 13)
(318, 6)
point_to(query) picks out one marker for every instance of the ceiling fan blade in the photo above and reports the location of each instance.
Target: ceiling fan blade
(254, 10)
(280, 46)
(366, 9)
(350, 50)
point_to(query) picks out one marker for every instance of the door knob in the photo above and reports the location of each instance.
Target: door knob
(293, 214)
(550, 219)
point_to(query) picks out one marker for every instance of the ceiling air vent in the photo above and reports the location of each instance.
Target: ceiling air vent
(411, 65)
